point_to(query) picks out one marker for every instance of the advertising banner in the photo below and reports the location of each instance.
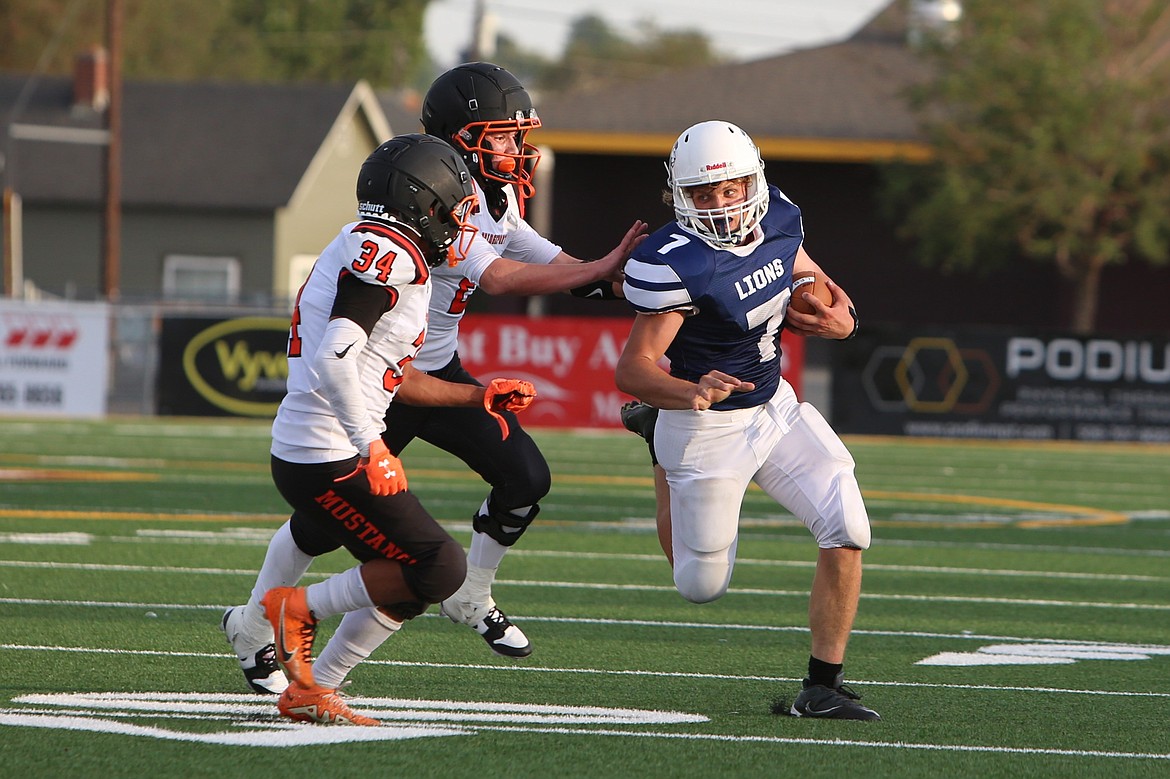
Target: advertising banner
(571, 361)
(54, 358)
(985, 384)
(222, 367)
(237, 367)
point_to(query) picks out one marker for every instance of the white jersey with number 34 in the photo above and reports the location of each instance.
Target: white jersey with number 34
(305, 428)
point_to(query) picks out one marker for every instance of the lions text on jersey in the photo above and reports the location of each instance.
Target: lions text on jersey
(735, 299)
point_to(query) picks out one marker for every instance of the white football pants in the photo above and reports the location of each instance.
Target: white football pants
(787, 448)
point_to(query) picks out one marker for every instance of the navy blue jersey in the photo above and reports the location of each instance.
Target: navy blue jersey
(735, 299)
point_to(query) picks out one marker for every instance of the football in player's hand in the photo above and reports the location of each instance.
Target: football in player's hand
(813, 283)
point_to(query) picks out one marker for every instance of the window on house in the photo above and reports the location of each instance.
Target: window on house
(211, 279)
(298, 270)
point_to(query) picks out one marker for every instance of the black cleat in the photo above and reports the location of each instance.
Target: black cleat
(638, 417)
(836, 702)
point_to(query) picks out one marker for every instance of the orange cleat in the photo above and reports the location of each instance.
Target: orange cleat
(321, 705)
(295, 628)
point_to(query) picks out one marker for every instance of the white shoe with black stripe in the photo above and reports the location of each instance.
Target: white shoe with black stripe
(261, 671)
(493, 625)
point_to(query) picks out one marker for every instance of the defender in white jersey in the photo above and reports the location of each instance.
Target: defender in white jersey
(357, 324)
(485, 113)
(711, 292)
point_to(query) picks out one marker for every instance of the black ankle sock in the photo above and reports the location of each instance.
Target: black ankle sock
(820, 672)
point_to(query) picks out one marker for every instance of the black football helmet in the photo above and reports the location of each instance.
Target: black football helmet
(477, 98)
(418, 180)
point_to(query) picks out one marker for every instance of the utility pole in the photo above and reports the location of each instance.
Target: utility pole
(13, 282)
(112, 222)
(483, 34)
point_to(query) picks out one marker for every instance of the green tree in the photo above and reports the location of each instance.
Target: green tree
(258, 40)
(1050, 120)
(52, 30)
(596, 54)
(341, 40)
(178, 39)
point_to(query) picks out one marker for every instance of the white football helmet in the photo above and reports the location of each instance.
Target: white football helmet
(707, 153)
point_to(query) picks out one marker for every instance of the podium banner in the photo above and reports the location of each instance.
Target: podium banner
(974, 383)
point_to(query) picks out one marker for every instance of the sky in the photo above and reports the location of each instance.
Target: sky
(740, 30)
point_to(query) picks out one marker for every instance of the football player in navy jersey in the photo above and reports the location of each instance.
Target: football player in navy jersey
(711, 292)
(357, 325)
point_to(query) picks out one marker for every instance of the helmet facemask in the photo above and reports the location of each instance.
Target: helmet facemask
(448, 230)
(709, 153)
(458, 242)
(421, 182)
(505, 167)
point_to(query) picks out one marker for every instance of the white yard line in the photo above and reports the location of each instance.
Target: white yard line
(604, 672)
(259, 733)
(802, 593)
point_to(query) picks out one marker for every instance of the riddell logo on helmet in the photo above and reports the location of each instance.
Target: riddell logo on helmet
(719, 166)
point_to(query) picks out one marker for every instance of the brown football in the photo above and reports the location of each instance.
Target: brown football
(808, 281)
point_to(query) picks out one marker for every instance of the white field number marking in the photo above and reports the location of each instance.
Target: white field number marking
(1045, 654)
(245, 725)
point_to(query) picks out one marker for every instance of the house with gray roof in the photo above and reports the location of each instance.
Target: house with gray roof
(229, 191)
(828, 120)
(841, 102)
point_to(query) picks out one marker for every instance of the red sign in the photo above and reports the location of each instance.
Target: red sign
(570, 360)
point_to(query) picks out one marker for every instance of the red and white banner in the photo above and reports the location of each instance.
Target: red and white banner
(570, 360)
(54, 358)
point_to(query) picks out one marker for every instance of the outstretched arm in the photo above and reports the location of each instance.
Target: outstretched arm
(509, 277)
(638, 373)
(422, 389)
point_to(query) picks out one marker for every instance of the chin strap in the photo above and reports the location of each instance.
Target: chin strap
(497, 199)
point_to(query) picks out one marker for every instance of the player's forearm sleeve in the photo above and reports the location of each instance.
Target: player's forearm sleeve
(337, 364)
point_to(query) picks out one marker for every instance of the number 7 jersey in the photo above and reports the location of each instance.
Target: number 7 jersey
(734, 300)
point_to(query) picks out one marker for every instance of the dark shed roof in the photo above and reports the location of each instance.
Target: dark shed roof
(202, 145)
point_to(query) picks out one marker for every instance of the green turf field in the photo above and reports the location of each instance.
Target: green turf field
(1015, 620)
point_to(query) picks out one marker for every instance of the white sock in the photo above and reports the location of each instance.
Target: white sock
(483, 558)
(284, 565)
(485, 551)
(477, 586)
(340, 593)
(358, 635)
